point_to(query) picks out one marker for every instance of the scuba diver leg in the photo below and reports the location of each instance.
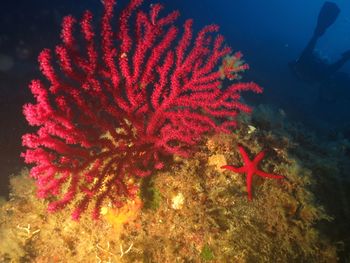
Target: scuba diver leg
(338, 64)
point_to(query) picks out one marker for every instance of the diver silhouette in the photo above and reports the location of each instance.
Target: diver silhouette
(309, 67)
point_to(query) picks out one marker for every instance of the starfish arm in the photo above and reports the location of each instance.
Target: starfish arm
(268, 175)
(233, 169)
(244, 155)
(259, 157)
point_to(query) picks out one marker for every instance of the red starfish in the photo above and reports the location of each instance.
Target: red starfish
(251, 168)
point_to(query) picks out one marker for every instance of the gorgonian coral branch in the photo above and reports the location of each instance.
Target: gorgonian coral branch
(117, 101)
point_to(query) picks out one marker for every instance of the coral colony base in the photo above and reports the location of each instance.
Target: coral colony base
(108, 116)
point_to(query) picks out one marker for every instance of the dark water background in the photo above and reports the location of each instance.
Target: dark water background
(269, 33)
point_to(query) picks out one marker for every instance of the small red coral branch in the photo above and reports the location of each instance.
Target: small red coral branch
(112, 108)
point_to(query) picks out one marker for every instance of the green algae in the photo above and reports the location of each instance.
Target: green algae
(150, 195)
(206, 253)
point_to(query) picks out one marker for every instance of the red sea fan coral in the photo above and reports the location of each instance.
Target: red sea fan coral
(112, 109)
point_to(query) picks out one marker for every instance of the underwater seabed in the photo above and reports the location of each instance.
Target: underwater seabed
(194, 211)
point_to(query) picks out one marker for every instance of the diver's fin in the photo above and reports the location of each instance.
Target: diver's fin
(328, 14)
